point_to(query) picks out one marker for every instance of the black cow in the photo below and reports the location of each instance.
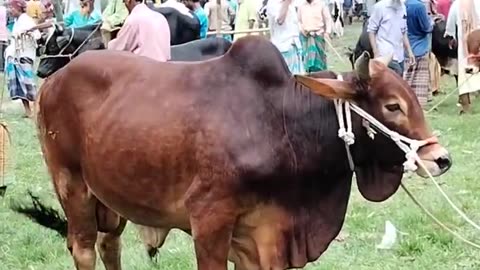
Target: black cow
(445, 55)
(64, 44)
(183, 28)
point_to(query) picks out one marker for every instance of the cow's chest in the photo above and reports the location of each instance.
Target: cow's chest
(271, 236)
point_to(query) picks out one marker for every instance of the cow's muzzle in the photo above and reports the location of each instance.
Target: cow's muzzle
(436, 160)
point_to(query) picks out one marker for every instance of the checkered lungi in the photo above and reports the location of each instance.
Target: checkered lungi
(418, 77)
(21, 78)
(293, 58)
(435, 73)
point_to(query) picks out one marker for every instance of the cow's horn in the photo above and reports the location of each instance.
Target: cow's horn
(361, 66)
(385, 59)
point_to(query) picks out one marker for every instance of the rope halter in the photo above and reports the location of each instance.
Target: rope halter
(71, 55)
(407, 145)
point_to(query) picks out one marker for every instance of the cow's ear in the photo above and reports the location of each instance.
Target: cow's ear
(329, 88)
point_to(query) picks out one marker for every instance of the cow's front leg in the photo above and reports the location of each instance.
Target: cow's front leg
(211, 237)
(212, 217)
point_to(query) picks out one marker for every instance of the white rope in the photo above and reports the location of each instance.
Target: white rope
(460, 212)
(70, 56)
(436, 220)
(409, 146)
(345, 134)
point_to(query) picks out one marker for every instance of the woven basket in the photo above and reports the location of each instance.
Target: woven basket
(5, 168)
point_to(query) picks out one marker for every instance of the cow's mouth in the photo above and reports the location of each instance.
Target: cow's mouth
(435, 161)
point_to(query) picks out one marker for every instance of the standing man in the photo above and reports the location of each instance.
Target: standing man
(315, 27)
(247, 17)
(387, 32)
(84, 16)
(196, 7)
(285, 33)
(443, 7)
(113, 17)
(227, 14)
(145, 32)
(419, 25)
(464, 15)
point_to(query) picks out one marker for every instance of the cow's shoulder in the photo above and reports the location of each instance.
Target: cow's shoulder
(259, 59)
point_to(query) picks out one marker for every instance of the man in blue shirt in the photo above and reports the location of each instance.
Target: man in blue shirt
(420, 26)
(387, 32)
(196, 7)
(84, 16)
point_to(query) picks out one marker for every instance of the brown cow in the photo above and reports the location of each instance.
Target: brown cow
(234, 150)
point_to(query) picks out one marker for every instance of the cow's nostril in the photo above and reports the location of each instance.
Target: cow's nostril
(469, 70)
(444, 163)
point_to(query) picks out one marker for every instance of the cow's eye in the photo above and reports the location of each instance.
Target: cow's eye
(393, 107)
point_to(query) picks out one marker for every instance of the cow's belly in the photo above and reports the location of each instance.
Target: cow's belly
(141, 201)
(138, 177)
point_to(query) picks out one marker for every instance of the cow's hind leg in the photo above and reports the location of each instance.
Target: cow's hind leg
(110, 227)
(79, 207)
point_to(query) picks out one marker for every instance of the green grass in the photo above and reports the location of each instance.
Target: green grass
(25, 245)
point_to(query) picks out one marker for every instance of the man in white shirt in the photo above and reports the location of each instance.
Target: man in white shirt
(285, 33)
(20, 55)
(464, 15)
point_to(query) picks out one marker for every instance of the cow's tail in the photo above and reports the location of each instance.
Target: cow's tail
(43, 215)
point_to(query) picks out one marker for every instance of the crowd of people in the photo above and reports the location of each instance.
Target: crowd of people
(300, 29)
(404, 28)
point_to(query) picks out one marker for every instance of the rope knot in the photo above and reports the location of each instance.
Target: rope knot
(370, 131)
(342, 133)
(349, 138)
(409, 164)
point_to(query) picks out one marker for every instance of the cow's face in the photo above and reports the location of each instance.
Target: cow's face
(389, 99)
(51, 53)
(473, 49)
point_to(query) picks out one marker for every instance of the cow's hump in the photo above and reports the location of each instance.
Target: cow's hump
(259, 58)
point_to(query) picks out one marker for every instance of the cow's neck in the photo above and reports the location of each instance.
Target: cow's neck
(307, 197)
(310, 127)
